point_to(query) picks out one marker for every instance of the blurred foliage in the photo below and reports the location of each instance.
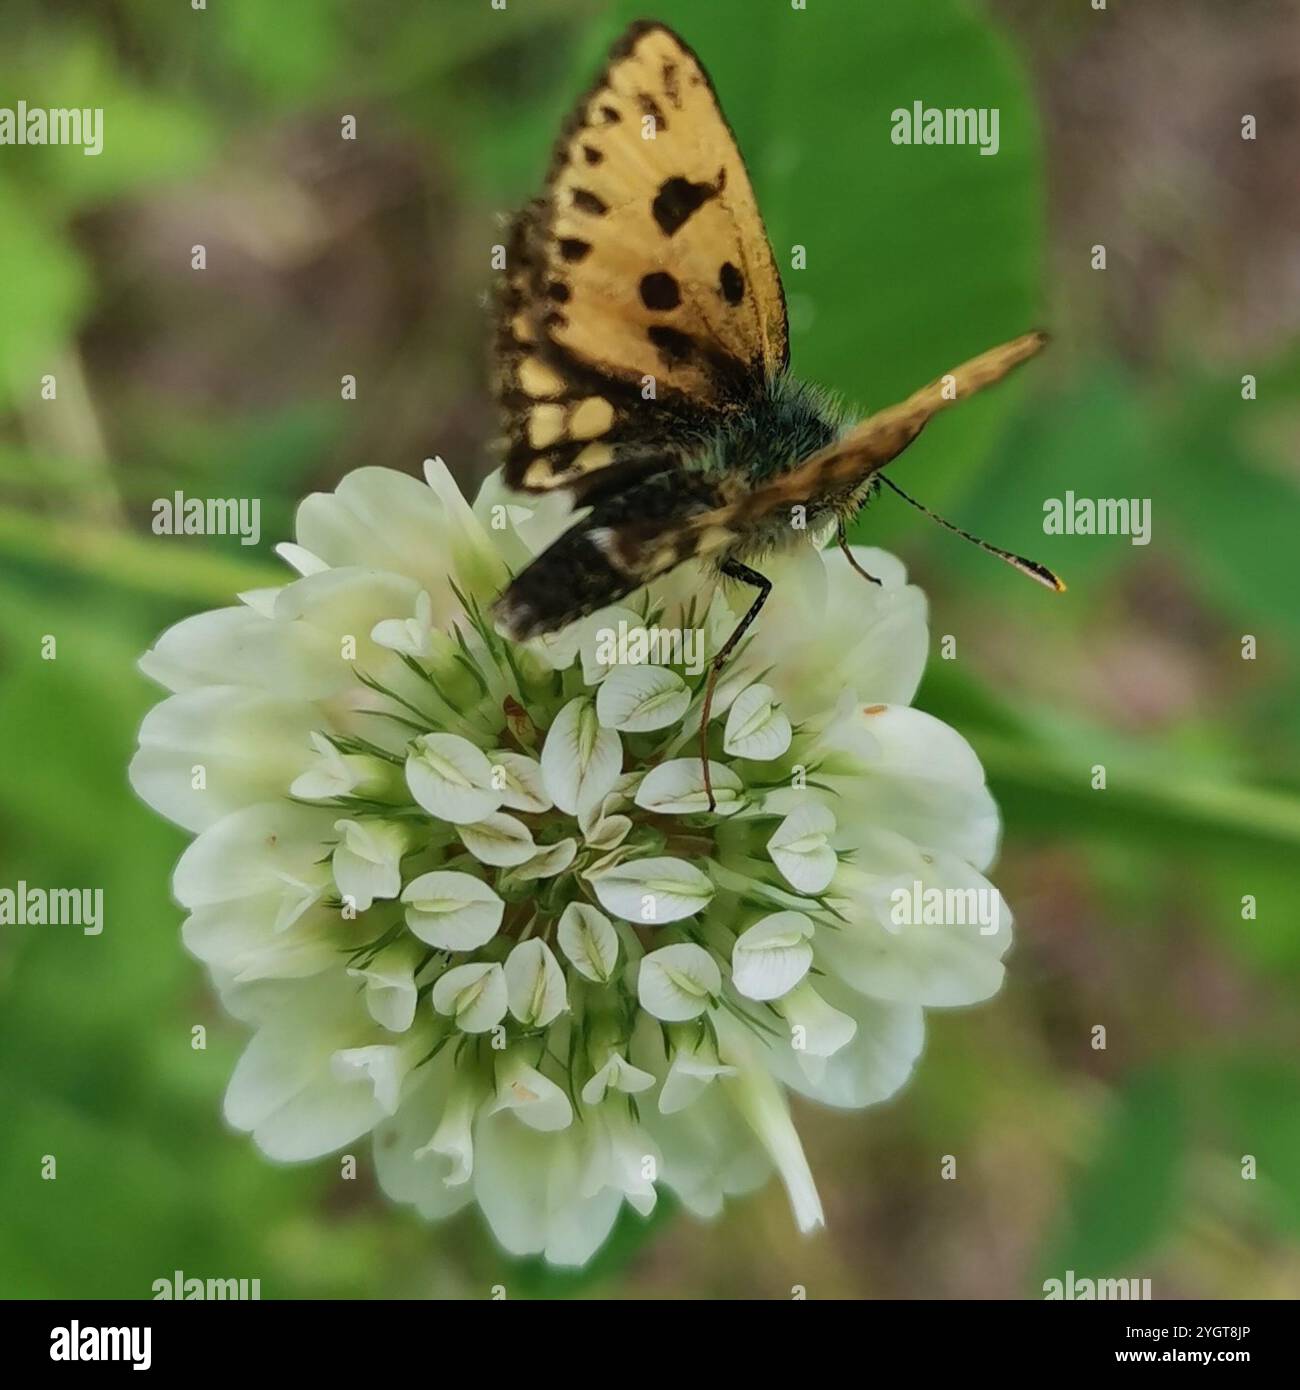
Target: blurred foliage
(222, 127)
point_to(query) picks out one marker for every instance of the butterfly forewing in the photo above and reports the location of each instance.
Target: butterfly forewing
(642, 300)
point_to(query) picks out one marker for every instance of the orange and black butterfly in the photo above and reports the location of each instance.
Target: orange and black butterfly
(643, 352)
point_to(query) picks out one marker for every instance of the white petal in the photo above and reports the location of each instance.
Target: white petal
(343, 606)
(589, 941)
(409, 1168)
(652, 891)
(676, 788)
(473, 995)
(390, 990)
(885, 953)
(709, 1152)
(366, 862)
(607, 832)
(580, 760)
(756, 725)
(546, 863)
(237, 646)
(283, 1088)
(678, 982)
(270, 848)
(243, 941)
(801, 848)
(825, 628)
(499, 840)
(454, 1137)
(380, 1066)
(695, 1066)
(820, 1029)
(242, 746)
(772, 956)
(534, 1098)
(535, 984)
(521, 529)
(637, 699)
(451, 778)
(620, 1156)
(527, 1186)
(889, 765)
(299, 559)
(520, 781)
(616, 1073)
(452, 910)
(871, 1067)
(762, 1104)
(598, 640)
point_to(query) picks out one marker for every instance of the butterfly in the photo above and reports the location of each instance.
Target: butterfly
(642, 362)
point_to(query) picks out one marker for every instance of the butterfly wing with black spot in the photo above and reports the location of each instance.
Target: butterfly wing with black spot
(642, 302)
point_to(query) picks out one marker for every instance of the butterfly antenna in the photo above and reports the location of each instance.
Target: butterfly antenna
(1030, 567)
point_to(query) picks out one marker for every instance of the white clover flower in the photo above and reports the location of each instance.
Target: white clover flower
(471, 899)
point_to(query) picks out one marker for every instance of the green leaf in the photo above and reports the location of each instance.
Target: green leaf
(1122, 1201)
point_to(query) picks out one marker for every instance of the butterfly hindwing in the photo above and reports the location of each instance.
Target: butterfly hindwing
(642, 299)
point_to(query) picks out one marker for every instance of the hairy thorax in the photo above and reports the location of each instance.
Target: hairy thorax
(788, 424)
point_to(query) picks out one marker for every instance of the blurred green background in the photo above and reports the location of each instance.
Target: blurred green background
(1119, 128)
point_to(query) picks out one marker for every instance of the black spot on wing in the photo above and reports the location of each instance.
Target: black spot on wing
(732, 283)
(558, 291)
(587, 201)
(650, 107)
(573, 248)
(679, 199)
(660, 291)
(591, 154)
(671, 90)
(674, 346)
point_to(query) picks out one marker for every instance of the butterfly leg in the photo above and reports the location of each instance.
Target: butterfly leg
(843, 541)
(733, 569)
